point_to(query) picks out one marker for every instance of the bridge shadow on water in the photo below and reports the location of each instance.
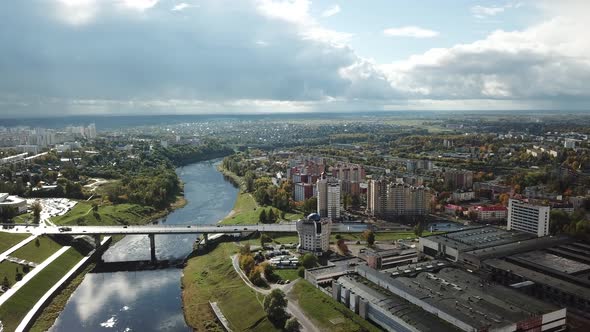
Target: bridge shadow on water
(131, 266)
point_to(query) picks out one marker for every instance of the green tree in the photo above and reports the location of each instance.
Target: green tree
(264, 239)
(5, 283)
(419, 229)
(262, 218)
(309, 260)
(310, 205)
(249, 179)
(301, 272)
(272, 218)
(369, 236)
(274, 306)
(292, 325)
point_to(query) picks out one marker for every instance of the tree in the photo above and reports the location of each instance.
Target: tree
(264, 239)
(504, 198)
(245, 249)
(310, 205)
(355, 201)
(274, 306)
(37, 208)
(369, 236)
(95, 207)
(301, 272)
(309, 260)
(342, 247)
(249, 181)
(262, 218)
(255, 277)
(272, 218)
(292, 325)
(247, 263)
(5, 283)
(418, 229)
(346, 201)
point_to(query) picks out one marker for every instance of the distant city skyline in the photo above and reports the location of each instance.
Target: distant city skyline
(135, 57)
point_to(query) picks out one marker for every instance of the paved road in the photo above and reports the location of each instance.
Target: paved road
(292, 308)
(158, 229)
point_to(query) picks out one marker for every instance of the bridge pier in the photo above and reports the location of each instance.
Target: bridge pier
(205, 239)
(96, 241)
(152, 238)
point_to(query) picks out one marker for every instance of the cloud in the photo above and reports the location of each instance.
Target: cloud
(181, 6)
(118, 57)
(410, 31)
(331, 11)
(481, 11)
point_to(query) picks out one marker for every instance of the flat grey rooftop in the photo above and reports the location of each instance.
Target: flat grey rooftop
(479, 237)
(471, 299)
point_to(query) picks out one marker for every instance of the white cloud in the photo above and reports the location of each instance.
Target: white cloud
(333, 10)
(140, 5)
(297, 13)
(481, 11)
(410, 31)
(181, 6)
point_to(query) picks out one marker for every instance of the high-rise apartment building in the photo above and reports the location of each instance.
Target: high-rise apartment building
(387, 199)
(528, 218)
(459, 179)
(314, 234)
(328, 191)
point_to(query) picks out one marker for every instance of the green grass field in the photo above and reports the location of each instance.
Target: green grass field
(246, 211)
(81, 213)
(14, 310)
(287, 274)
(9, 270)
(37, 252)
(211, 277)
(322, 308)
(8, 240)
(23, 218)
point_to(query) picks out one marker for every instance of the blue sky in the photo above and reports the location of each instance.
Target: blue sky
(453, 20)
(65, 57)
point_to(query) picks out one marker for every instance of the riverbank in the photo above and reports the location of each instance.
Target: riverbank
(211, 277)
(53, 309)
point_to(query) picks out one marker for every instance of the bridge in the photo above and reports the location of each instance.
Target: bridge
(152, 230)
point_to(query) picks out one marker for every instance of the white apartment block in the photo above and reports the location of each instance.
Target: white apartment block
(314, 234)
(528, 218)
(328, 191)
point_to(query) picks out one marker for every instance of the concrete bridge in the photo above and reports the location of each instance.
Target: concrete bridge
(152, 230)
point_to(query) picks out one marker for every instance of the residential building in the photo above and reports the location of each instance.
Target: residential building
(387, 199)
(491, 213)
(458, 179)
(462, 196)
(528, 218)
(328, 190)
(303, 191)
(314, 234)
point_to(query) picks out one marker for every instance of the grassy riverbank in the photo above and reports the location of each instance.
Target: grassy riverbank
(114, 214)
(211, 277)
(15, 309)
(8, 240)
(50, 313)
(246, 211)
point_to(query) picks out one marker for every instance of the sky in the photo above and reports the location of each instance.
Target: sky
(122, 57)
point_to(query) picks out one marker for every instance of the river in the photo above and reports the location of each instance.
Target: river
(149, 300)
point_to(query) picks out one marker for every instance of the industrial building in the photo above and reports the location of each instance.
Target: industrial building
(528, 218)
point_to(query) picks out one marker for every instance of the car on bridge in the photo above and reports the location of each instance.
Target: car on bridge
(65, 229)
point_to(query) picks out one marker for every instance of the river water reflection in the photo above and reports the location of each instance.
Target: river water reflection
(149, 300)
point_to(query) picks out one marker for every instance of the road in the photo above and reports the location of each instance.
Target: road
(156, 229)
(292, 308)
